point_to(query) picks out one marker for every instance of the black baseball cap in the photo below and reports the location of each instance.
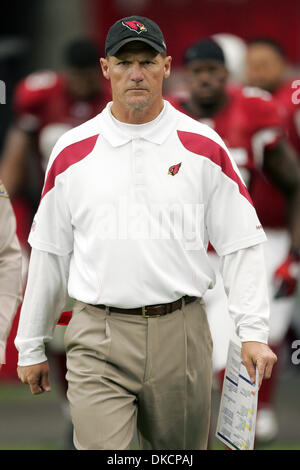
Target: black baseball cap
(134, 28)
(202, 50)
(81, 53)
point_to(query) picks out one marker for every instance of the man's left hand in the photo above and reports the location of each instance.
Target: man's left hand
(260, 355)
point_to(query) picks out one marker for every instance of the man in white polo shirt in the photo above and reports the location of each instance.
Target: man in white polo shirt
(130, 201)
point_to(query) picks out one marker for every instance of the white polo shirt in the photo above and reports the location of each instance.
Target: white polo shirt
(136, 205)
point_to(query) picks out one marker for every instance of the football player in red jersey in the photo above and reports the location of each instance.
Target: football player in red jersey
(46, 104)
(267, 68)
(250, 122)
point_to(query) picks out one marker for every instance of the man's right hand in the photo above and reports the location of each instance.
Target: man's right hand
(36, 376)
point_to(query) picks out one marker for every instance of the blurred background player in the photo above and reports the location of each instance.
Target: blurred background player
(250, 123)
(46, 104)
(234, 49)
(267, 67)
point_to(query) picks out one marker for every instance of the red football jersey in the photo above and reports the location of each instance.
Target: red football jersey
(288, 96)
(249, 122)
(268, 199)
(44, 107)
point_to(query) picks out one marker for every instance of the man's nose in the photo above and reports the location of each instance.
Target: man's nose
(136, 73)
(205, 76)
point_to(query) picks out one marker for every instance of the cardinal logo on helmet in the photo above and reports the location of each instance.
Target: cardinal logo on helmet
(135, 26)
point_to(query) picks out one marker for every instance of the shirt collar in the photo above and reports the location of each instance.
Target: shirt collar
(156, 131)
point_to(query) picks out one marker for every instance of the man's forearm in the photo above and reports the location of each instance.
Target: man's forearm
(246, 287)
(44, 300)
(10, 270)
(9, 305)
(10, 291)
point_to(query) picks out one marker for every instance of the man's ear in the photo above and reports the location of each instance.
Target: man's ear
(167, 66)
(104, 67)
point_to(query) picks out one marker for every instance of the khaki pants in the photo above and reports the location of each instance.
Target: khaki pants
(158, 370)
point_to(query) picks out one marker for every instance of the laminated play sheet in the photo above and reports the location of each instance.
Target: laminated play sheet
(238, 406)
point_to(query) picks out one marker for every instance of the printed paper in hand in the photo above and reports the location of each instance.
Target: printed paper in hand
(238, 407)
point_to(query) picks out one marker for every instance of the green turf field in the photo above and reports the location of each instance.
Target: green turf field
(30, 422)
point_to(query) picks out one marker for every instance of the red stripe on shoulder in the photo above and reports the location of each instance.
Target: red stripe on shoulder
(208, 148)
(68, 156)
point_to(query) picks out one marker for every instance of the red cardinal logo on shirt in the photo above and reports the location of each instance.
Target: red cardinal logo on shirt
(173, 170)
(135, 26)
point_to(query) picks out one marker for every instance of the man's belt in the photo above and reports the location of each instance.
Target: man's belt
(147, 312)
(151, 310)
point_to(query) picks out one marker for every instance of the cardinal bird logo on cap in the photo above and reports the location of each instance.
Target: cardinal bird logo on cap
(173, 170)
(135, 26)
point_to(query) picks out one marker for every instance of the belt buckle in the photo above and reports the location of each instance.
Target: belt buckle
(144, 309)
(144, 312)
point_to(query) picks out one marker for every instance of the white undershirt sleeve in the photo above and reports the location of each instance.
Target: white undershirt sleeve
(44, 300)
(244, 278)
